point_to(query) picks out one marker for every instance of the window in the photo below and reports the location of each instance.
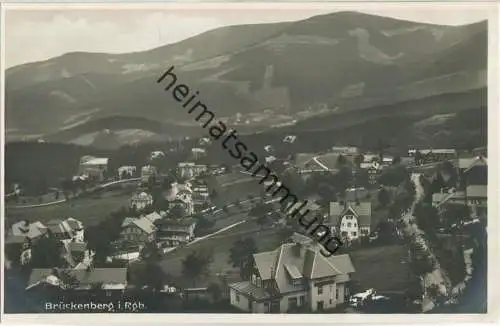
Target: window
(364, 231)
(354, 234)
(302, 299)
(297, 283)
(259, 282)
(344, 233)
(349, 224)
(254, 279)
(331, 301)
(320, 290)
(336, 294)
(292, 302)
(237, 297)
(355, 225)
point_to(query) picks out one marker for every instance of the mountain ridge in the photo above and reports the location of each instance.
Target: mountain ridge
(294, 70)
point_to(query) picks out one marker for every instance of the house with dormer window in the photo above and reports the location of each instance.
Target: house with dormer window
(295, 276)
(350, 219)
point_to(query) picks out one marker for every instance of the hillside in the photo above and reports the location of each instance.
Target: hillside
(339, 62)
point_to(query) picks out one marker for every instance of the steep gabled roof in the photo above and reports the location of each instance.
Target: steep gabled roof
(292, 259)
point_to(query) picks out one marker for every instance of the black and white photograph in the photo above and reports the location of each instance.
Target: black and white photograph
(241, 158)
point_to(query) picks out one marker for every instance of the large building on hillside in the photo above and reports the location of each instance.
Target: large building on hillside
(93, 167)
(293, 277)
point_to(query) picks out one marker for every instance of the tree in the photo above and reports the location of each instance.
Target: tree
(383, 197)
(418, 158)
(343, 179)
(241, 256)
(215, 291)
(260, 209)
(455, 213)
(435, 294)
(386, 232)
(262, 220)
(358, 159)
(341, 160)
(151, 274)
(396, 160)
(177, 211)
(427, 217)
(448, 168)
(438, 183)
(326, 192)
(196, 265)
(46, 252)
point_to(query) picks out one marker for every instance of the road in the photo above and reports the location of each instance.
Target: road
(196, 240)
(437, 276)
(98, 187)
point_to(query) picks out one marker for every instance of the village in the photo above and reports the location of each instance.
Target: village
(203, 237)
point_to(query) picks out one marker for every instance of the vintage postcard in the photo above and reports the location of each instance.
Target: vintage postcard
(248, 158)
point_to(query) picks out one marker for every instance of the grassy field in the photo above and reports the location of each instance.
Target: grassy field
(383, 268)
(220, 245)
(88, 210)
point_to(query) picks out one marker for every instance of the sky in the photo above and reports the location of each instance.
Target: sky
(36, 33)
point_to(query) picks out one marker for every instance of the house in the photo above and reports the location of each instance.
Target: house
(351, 219)
(93, 167)
(345, 150)
(69, 228)
(311, 163)
(126, 171)
(74, 252)
(152, 217)
(156, 155)
(137, 230)
(270, 159)
(433, 155)
(475, 196)
(293, 276)
(474, 170)
(147, 172)
(204, 141)
(353, 194)
(198, 152)
(174, 232)
(141, 200)
(27, 230)
(201, 195)
(190, 170)
(182, 194)
(82, 282)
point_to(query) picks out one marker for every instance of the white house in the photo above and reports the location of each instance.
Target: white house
(293, 276)
(156, 155)
(174, 232)
(93, 167)
(148, 171)
(351, 219)
(141, 200)
(126, 171)
(198, 152)
(182, 194)
(190, 170)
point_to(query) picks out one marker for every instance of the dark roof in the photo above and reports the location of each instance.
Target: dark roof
(77, 246)
(85, 278)
(307, 260)
(11, 239)
(362, 211)
(250, 290)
